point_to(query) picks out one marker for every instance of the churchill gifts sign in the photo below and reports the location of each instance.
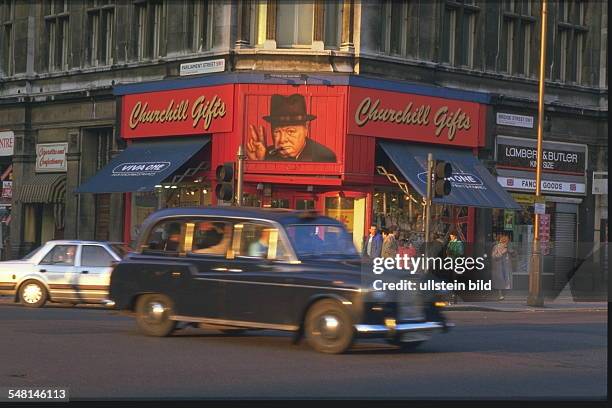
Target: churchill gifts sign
(178, 112)
(51, 157)
(415, 118)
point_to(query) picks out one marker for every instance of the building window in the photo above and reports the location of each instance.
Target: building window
(333, 23)
(150, 18)
(259, 15)
(571, 32)
(517, 39)
(459, 32)
(100, 24)
(399, 36)
(294, 24)
(7, 15)
(57, 29)
(199, 25)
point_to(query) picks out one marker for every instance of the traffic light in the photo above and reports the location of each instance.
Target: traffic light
(225, 182)
(442, 170)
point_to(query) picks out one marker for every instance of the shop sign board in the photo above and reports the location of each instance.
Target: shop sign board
(510, 119)
(600, 182)
(539, 208)
(557, 157)
(202, 67)
(51, 157)
(7, 189)
(413, 117)
(7, 143)
(515, 183)
(177, 112)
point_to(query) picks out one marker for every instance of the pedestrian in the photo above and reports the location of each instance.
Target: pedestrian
(389, 245)
(372, 243)
(501, 268)
(454, 249)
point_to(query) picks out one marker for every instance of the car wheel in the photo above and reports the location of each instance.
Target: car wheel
(328, 327)
(153, 315)
(32, 294)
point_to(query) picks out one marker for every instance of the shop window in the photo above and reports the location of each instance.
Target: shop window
(279, 203)
(304, 204)
(251, 200)
(341, 209)
(143, 204)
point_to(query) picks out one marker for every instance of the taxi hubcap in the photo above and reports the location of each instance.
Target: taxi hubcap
(32, 293)
(328, 326)
(155, 312)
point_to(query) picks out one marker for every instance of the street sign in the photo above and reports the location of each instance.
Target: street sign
(539, 208)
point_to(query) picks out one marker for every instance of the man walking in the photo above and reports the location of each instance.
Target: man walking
(372, 244)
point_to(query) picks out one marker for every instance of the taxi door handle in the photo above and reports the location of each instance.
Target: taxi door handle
(42, 270)
(84, 271)
(220, 269)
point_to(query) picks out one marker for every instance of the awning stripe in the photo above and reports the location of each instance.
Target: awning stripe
(40, 189)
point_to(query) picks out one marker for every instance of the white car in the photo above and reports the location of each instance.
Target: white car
(64, 271)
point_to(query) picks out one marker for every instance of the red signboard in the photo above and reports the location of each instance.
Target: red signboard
(414, 117)
(178, 112)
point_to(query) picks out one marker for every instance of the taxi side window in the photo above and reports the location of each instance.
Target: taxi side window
(166, 237)
(60, 255)
(210, 237)
(259, 241)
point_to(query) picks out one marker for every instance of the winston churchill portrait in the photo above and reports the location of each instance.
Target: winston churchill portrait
(290, 134)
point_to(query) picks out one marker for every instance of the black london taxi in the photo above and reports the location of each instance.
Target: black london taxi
(238, 268)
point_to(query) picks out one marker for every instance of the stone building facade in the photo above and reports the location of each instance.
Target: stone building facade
(60, 59)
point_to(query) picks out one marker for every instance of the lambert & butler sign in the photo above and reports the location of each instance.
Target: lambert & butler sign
(415, 117)
(51, 157)
(178, 112)
(557, 157)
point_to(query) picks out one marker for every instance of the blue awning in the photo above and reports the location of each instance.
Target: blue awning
(472, 184)
(143, 165)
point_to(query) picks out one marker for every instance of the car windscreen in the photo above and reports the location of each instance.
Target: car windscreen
(121, 249)
(331, 241)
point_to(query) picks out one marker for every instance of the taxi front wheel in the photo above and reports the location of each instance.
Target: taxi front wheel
(153, 315)
(328, 327)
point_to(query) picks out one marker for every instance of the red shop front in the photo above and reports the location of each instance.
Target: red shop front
(318, 145)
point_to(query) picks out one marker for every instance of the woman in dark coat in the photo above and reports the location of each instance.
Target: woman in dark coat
(501, 271)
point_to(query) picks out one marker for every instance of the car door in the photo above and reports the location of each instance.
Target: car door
(259, 282)
(94, 268)
(58, 269)
(208, 241)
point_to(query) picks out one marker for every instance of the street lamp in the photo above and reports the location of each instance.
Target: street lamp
(535, 267)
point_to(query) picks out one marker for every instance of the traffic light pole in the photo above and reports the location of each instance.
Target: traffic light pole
(430, 163)
(240, 176)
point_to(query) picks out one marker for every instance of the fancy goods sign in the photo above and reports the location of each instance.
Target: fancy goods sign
(414, 117)
(178, 112)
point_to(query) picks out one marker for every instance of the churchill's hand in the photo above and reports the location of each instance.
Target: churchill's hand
(256, 143)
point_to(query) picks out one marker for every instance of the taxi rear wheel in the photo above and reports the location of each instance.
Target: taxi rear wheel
(328, 327)
(153, 315)
(32, 294)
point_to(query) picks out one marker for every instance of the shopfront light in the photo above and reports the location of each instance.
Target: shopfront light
(173, 187)
(204, 191)
(158, 186)
(166, 186)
